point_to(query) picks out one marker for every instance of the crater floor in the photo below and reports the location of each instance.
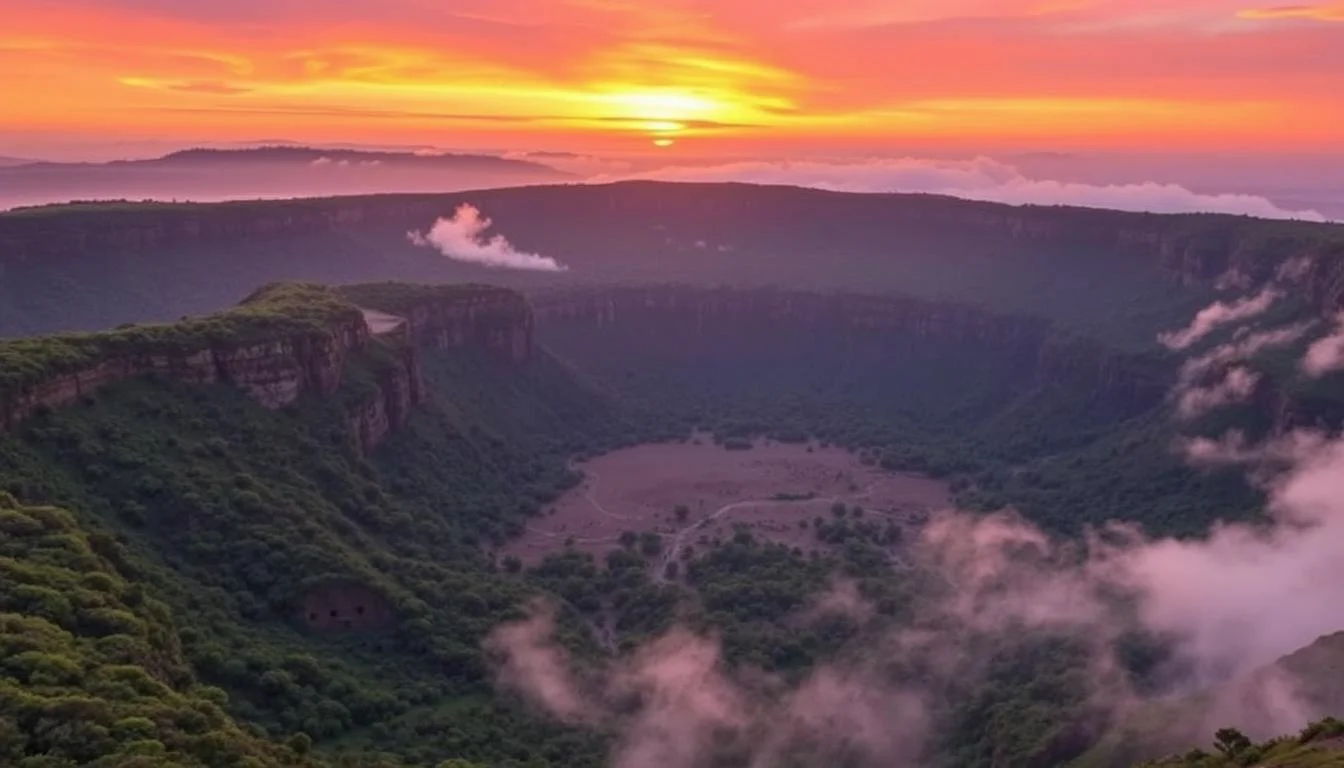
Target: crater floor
(771, 489)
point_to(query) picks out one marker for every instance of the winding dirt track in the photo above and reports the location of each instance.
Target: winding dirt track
(589, 488)
(679, 540)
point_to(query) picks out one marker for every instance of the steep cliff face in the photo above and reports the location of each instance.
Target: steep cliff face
(278, 344)
(1202, 250)
(398, 387)
(284, 343)
(1139, 381)
(454, 316)
(274, 372)
(676, 318)
(500, 324)
(673, 310)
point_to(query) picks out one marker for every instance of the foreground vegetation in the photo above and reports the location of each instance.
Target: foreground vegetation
(93, 670)
(1319, 745)
(156, 622)
(228, 514)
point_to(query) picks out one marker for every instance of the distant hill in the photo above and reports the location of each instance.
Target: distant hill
(262, 172)
(300, 155)
(1119, 275)
(287, 155)
(7, 162)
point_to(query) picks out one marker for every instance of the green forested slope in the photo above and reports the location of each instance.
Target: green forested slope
(228, 512)
(92, 671)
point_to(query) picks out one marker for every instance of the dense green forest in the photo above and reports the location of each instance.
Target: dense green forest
(94, 671)
(159, 619)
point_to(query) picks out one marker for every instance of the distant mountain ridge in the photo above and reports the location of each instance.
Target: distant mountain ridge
(276, 171)
(287, 154)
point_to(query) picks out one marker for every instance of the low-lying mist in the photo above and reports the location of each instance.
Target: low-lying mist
(981, 178)
(991, 179)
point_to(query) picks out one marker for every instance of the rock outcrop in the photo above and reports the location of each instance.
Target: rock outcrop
(398, 389)
(281, 343)
(275, 373)
(502, 324)
(454, 316)
(703, 311)
(346, 607)
(676, 317)
(285, 343)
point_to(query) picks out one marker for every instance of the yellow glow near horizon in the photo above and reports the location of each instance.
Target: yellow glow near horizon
(663, 114)
(662, 105)
(662, 126)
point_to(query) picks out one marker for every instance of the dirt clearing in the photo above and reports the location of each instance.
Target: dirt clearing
(694, 492)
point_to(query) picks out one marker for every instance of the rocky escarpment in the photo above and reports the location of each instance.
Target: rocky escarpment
(393, 388)
(274, 372)
(1191, 249)
(673, 311)
(1200, 250)
(1282, 402)
(283, 343)
(673, 318)
(454, 316)
(280, 343)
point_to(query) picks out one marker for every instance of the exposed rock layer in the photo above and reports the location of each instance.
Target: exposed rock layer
(278, 371)
(500, 322)
(675, 316)
(345, 607)
(274, 372)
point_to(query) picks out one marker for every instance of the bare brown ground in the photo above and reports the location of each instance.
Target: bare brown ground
(637, 489)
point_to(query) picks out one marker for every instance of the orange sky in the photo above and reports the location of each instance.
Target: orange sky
(711, 75)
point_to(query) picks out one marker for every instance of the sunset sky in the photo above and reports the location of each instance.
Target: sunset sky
(698, 75)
